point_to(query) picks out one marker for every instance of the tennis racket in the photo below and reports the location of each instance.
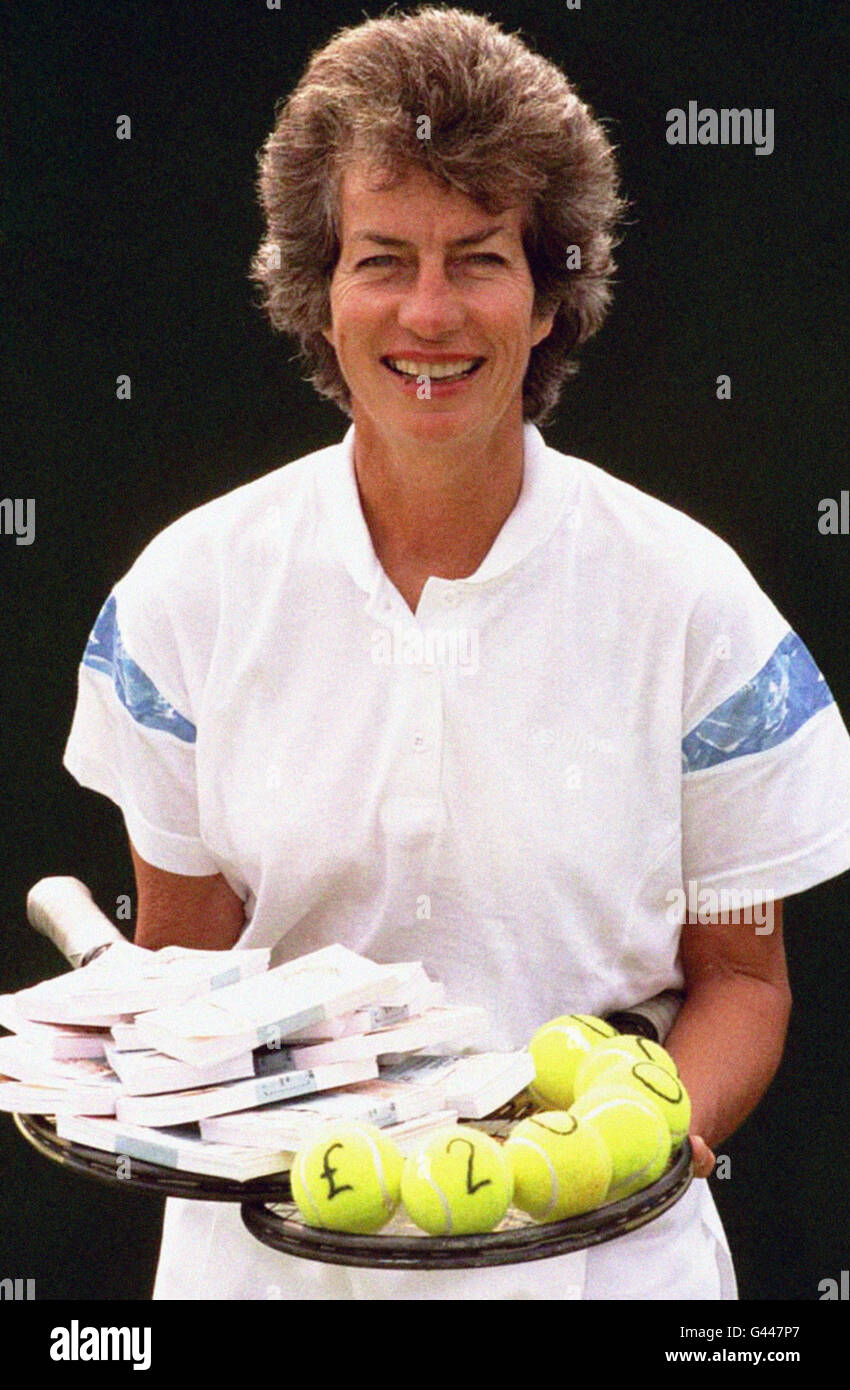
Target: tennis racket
(62, 909)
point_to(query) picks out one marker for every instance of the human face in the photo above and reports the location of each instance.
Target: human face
(428, 280)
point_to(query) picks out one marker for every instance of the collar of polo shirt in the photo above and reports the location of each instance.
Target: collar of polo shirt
(538, 509)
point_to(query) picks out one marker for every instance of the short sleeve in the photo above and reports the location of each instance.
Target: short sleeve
(765, 751)
(133, 735)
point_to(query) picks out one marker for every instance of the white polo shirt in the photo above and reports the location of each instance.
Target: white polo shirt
(519, 785)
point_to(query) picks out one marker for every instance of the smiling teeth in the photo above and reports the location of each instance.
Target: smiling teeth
(432, 369)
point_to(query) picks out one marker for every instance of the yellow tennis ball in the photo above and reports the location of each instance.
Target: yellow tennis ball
(619, 1052)
(561, 1166)
(556, 1050)
(348, 1179)
(636, 1136)
(459, 1183)
(656, 1084)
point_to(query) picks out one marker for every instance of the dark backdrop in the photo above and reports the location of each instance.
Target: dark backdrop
(131, 257)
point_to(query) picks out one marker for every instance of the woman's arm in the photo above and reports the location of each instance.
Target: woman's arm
(729, 1036)
(183, 910)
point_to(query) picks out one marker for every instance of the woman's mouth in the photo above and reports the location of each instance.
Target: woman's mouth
(438, 374)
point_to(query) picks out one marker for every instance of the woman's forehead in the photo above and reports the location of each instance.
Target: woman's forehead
(411, 203)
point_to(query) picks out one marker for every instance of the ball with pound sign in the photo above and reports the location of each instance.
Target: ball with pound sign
(348, 1179)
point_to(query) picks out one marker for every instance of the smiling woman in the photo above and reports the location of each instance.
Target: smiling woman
(516, 822)
(505, 128)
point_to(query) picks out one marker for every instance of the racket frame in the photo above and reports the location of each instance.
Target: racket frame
(523, 1241)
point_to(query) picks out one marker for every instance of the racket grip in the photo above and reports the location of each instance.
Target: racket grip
(63, 910)
(652, 1019)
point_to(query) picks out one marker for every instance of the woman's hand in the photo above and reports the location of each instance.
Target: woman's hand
(704, 1159)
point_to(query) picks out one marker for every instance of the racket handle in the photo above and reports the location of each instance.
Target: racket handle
(652, 1019)
(63, 910)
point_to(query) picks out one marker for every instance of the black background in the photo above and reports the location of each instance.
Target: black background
(132, 257)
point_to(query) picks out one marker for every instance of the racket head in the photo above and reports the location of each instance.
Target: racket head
(519, 1238)
(40, 1132)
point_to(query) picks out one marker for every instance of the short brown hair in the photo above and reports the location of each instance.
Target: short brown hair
(506, 129)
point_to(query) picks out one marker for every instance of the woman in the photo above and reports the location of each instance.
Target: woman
(441, 213)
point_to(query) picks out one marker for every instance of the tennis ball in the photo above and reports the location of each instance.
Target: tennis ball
(459, 1183)
(624, 1050)
(561, 1166)
(556, 1049)
(656, 1084)
(348, 1179)
(636, 1136)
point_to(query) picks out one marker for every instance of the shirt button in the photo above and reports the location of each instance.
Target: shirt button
(419, 742)
(451, 598)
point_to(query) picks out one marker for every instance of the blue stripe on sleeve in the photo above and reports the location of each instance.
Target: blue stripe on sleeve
(105, 653)
(766, 711)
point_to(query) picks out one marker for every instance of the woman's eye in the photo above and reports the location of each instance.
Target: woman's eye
(488, 256)
(375, 260)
